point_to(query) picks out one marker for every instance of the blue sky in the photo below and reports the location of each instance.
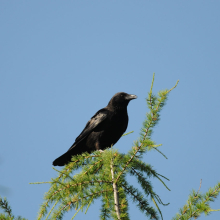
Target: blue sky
(61, 61)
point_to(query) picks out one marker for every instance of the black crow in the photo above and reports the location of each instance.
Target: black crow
(103, 130)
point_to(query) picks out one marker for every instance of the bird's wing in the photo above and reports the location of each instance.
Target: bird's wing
(98, 119)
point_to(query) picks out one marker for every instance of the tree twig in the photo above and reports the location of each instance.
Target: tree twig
(199, 187)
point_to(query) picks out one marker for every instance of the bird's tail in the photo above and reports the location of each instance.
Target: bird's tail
(63, 159)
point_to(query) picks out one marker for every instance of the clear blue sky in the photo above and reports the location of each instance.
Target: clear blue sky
(61, 61)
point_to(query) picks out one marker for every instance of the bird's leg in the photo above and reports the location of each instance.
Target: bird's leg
(97, 147)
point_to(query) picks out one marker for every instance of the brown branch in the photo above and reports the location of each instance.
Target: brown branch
(199, 187)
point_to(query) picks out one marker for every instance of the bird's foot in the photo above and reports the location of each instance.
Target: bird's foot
(101, 151)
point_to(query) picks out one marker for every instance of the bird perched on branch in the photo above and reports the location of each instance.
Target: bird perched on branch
(103, 130)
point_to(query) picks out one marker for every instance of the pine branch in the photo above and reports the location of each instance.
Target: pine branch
(146, 168)
(5, 206)
(198, 203)
(107, 206)
(142, 203)
(153, 118)
(71, 203)
(146, 186)
(7, 209)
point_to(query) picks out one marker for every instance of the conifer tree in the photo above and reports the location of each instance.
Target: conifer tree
(102, 175)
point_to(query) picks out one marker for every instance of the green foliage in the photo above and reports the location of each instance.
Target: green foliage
(103, 175)
(8, 212)
(198, 203)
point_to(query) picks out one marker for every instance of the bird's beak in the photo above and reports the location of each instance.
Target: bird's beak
(130, 97)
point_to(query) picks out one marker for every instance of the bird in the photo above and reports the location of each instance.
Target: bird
(103, 130)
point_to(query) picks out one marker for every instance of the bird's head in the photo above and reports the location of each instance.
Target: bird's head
(121, 99)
